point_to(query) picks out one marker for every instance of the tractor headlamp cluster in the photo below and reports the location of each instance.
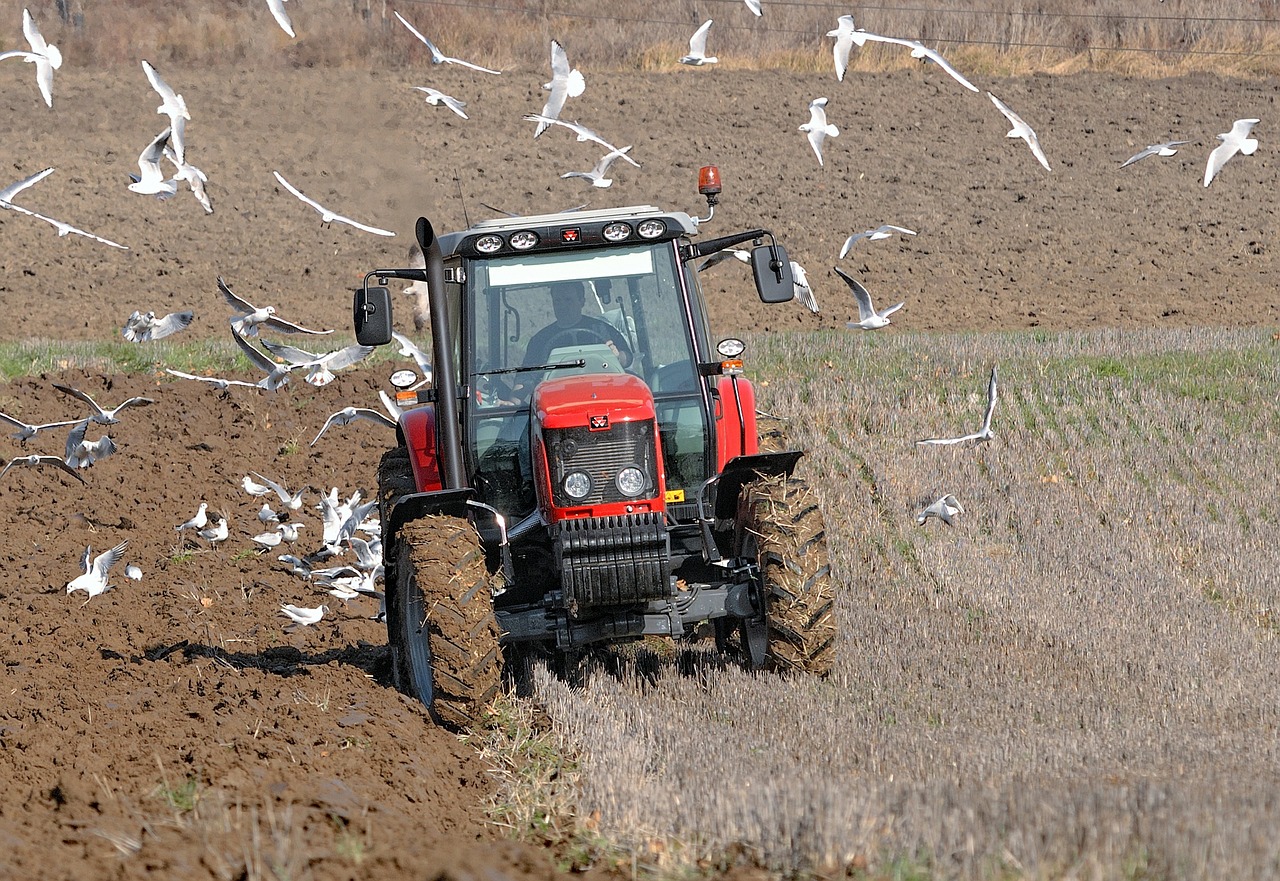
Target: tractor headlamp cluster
(612, 232)
(630, 481)
(577, 485)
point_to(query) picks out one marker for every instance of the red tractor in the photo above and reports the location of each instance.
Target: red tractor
(585, 468)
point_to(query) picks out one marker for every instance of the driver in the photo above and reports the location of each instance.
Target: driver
(571, 327)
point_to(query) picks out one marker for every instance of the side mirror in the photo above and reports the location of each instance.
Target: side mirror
(772, 271)
(371, 311)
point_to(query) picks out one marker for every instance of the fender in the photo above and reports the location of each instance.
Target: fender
(735, 415)
(418, 428)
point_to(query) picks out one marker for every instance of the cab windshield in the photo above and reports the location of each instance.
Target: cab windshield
(540, 316)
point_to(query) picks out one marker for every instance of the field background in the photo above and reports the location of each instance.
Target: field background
(1074, 681)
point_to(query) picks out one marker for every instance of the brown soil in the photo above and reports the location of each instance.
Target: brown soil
(302, 756)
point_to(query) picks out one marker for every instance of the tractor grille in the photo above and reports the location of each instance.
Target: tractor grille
(613, 561)
(601, 455)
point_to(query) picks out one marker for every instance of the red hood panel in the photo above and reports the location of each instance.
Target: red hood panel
(570, 402)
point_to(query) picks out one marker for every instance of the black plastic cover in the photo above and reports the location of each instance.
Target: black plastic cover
(371, 312)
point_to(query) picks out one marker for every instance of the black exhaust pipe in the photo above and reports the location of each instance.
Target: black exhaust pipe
(442, 352)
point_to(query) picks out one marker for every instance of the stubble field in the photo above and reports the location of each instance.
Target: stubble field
(1060, 685)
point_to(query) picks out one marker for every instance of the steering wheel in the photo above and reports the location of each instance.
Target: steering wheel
(570, 338)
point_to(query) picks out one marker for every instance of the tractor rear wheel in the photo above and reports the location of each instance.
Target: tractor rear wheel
(781, 527)
(443, 633)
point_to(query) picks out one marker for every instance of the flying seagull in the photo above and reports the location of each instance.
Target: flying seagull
(439, 98)
(40, 462)
(1021, 130)
(329, 216)
(277, 374)
(1235, 141)
(1162, 149)
(143, 327)
(565, 84)
(868, 317)
(817, 127)
(45, 56)
(982, 434)
(101, 415)
(150, 179)
(845, 37)
(215, 381)
(597, 174)
(698, 47)
(347, 415)
(281, 17)
(319, 367)
(62, 228)
(81, 453)
(250, 316)
(884, 231)
(583, 133)
(944, 509)
(173, 106)
(438, 57)
(195, 178)
(93, 576)
(739, 254)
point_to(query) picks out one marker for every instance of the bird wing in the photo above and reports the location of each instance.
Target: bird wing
(324, 212)
(1217, 158)
(62, 228)
(923, 51)
(946, 441)
(607, 160)
(1033, 140)
(1141, 154)
(85, 559)
(261, 361)
(234, 300)
(79, 395)
(377, 231)
(437, 56)
(149, 159)
(844, 43)
(166, 93)
(32, 33)
(13, 189)
(279, 490)
(275, 322)
(472, 66)
(107, 559)
(292, 354)
(851, 241)
(57, 463)
(170, 324)
(800, 286)
(340, 359)
(1014, 118)
(865, 309)
(991, 403)
(698, 42)
(281, 17)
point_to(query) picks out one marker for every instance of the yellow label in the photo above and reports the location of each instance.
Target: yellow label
(675, 495)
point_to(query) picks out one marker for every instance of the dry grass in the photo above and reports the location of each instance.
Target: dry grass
(985, 37)
(1062, 685)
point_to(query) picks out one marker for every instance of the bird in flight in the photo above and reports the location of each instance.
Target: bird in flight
(1166, 148)
(1235, 141)
(868, 317)
(983, 433)
(327, 215)
(1021, 130)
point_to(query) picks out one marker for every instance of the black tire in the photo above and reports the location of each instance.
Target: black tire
(440, 621)
(781, 527)
(772, 433)
(395, 478)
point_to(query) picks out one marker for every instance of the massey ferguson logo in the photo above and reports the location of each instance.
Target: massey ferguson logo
(599, 423)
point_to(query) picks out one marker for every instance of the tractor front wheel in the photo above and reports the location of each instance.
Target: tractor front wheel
(443, 633)
(781, 528)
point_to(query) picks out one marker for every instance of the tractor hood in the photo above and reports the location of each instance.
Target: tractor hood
(593, 400)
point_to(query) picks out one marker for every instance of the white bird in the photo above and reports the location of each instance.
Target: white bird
(173, 106)
(698, 47)
(817, 128)
(944, 509)
(319, 366)
(7, 193)
(739, 254)
(215, 381)
(597, 174)
(252, 488)
(368, 553)
(144, 327)
(101, 415)
(93, 576)
(868, 317)
(81, 453)
(199, 521)
(265, 514)
(409, 349)
(281, 17)
(800, 287)
(1235, 141)
(565, 84)
(289, 531)
(133, 571)
(62, 227)
(150, 180)
(845, 36)
(983, 433)
(40, 462)
(297, 565)
(328, 216)
(195, 178)
(217, 532)
(1165, 148)
(26, 430)
(1021, 130)
(267, 540)
(347, 415)
(292, 501)
(45, 56)
(250, 316)
(303, 616)
(438, 57)
(884, 231)
(438, 98)
(754, 6)
(583, 134)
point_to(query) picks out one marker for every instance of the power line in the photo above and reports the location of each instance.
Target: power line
(951, 41)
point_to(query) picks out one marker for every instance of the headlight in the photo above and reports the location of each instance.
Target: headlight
(630, 481)
(651, 228)
(577, 485)
(488, 244)
(616, 232)
(523, 240)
